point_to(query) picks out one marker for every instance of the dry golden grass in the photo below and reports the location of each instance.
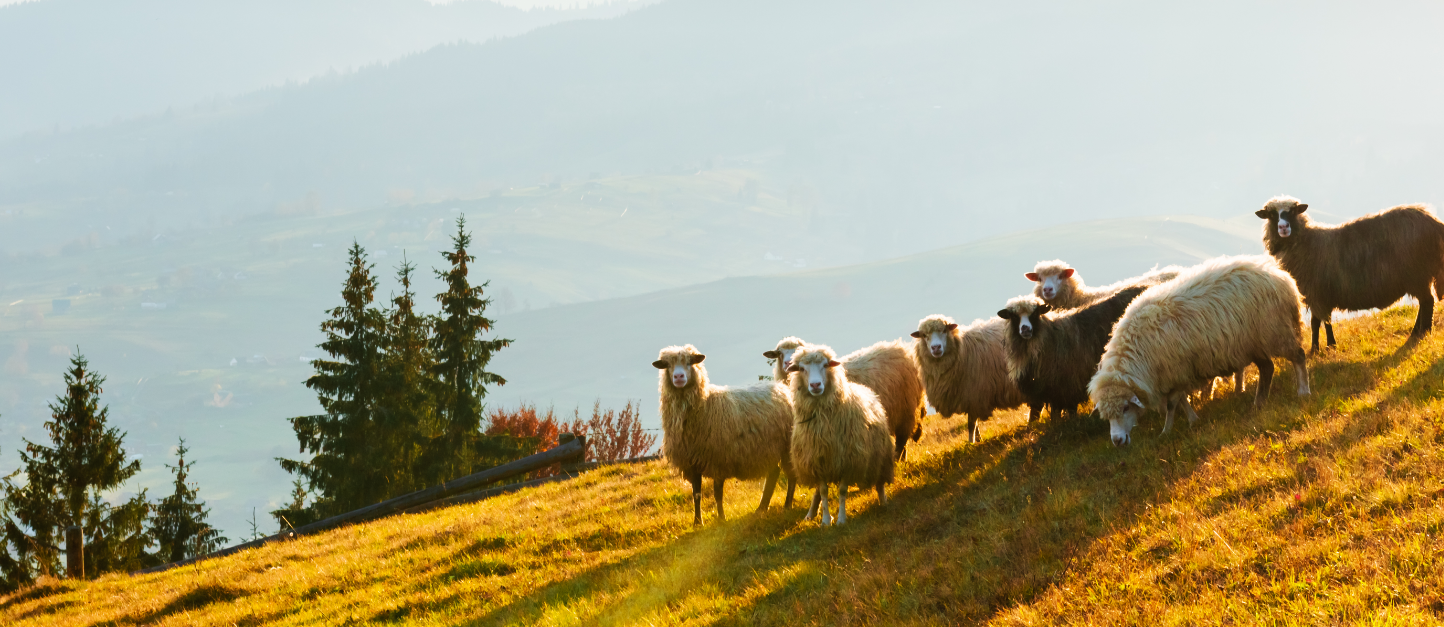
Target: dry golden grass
(1325, 510)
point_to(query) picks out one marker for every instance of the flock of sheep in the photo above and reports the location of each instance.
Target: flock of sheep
(1150, 342)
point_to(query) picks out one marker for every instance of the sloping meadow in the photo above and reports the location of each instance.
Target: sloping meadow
(1312, 511)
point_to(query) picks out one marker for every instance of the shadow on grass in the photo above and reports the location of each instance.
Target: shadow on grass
(190, 601)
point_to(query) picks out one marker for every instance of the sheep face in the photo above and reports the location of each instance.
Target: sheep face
(1024, 316)
(1053, 279)
(1283, 213)
(1122, 422)
(784, 351)
(935, 331)
(815, 367)
(680, 364)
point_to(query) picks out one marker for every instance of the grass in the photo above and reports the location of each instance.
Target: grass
(1321, 510)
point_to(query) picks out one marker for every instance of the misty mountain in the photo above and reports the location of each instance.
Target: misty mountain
(922, 125)
(69, 63)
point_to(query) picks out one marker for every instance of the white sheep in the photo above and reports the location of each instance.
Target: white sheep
(888, 369)
(965, 369)
(839, 431)
(1060, 285)
(1214, 318)
(722, 432)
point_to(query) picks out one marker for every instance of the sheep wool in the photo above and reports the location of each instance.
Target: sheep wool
(965, 369)
(721, 432)
(841, 435)
(1215, 318)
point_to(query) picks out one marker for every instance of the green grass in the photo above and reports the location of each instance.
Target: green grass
(1322, 510)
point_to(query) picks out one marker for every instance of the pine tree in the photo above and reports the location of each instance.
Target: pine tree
(292, 516)
(343, 468)
(179, 525)
(460, 369)
(63, 484)
(406, 417)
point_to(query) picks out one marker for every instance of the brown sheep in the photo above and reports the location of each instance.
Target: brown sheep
(1364, 263)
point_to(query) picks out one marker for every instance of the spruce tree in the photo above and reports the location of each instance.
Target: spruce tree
(62, 487)
(406, 415)
(179, 526)
(342, 441)
(461, 358)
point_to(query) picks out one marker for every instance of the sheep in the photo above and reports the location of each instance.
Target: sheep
(1364, 263)
(1051, 359)
(965, 369)
(722, 432)
(1215, 317)
(839, 431)
(1059, 285)
(888, 369)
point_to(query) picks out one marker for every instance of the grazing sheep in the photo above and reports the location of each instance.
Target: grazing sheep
(888, 369)
(1364, 263)
(839, 431)
(1214, 318)
(965, 369)
(1061, 287)
(1051, 359)
(722, 432)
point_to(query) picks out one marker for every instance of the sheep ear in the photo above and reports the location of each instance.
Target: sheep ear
(794, 368)
(1262, 213)
(952, 326)
(1042, 309)
(1031, 276)
(1300, 208)
(697, 359)
(1137, 402)
(917, 334)
(1005, 314)
(770, 354)
(1067, 273)
(660, 365)
(833, 363)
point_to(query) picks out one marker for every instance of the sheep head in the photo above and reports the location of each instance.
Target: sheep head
(934, 331)
(819, 370)
(681, 364)
(1054, 279)
(1024, 313)
(1284, 213)
(785, 348)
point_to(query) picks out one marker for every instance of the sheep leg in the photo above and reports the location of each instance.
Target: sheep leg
(1238, 380)
(1168, 414)
(717, 494)
(1329, 331)
(1301, 371)
(791, 489)
(1035, 411)
(900, 448)
(918, 426)
(1314, 323)
(816, 499)
(696, 480)
(1425, 322)
(822, 499)
(768, 487)
(1265, 379)
(975, 430)
(1188, 409)
(881, 492)
(841, 503)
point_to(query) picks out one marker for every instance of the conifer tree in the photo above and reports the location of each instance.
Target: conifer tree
(461, 358)
(406, 415)
(179, 526)
(343, 469)
(62, 487)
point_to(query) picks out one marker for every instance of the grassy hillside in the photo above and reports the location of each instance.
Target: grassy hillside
(1320, 510)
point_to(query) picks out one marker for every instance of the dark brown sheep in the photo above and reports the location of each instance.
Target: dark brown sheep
(1364, 263)
(1051, 359)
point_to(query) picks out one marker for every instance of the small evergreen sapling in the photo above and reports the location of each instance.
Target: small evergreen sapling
(179, 525)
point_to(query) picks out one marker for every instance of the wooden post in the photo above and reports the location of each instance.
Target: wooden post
(573, 466)
(74, 553)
